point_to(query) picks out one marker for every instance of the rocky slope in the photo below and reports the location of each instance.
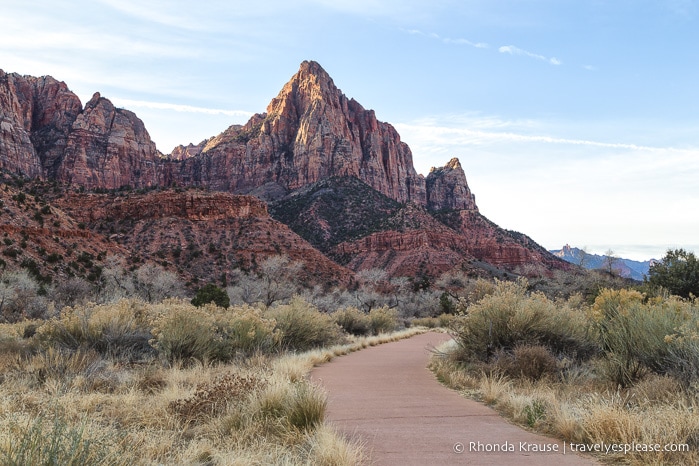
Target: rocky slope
(201, 236)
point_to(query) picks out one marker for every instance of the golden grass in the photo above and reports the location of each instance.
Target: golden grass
(107, 411)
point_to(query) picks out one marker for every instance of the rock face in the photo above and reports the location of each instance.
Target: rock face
(447, 188)
(36, 116)
(109, 148)
(194, 205)
(311, 131)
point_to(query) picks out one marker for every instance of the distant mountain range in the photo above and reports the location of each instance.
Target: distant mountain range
(626, 268)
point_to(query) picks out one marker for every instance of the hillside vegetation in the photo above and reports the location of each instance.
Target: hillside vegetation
(622, 370)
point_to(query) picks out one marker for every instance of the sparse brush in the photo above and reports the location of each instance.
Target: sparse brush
(214, 397)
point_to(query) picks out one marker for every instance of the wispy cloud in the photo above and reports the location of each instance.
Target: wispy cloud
(448, 40)
(128, 103)
(512, 50)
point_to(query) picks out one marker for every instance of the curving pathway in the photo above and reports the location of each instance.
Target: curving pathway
(386, 396)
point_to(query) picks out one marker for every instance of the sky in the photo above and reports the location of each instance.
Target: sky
(576, 121)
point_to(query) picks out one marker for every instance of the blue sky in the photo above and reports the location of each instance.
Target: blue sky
(575, 121)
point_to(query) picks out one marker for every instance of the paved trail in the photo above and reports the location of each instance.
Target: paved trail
(386, 396)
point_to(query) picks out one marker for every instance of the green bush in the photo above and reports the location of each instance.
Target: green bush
(510, 317)
(678, 272)
(353, 321)
(211, 294)
(303, 327)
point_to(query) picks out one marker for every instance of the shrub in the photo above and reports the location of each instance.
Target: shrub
(383, 320)
(352, 321)
(117, 330)
(633, 334)
(510, 317)
(211, 294)
(211, 398)
(210, 333)
(299, 405)
(529, 362)
(303, 327)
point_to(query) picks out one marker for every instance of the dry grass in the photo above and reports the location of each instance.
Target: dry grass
(73, 400)
(582, 409)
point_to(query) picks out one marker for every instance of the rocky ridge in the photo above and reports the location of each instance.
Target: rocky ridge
(310, 133)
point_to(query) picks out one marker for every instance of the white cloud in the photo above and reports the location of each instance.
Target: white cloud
(512, 50)
(448, 40)
(567, 189)
(128, 103)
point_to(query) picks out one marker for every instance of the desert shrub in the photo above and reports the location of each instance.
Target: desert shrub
(510, 317)
(682, 360)
(118, 330)
(633, 333)
(352, 321)
(211, 398)
(303, 327)
(56, 442)
(211, 333)
(383, 320)
(529, 362)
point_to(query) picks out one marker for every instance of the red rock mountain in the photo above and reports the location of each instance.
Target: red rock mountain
(310, 133)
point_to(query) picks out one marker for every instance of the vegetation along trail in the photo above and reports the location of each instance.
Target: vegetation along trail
(386, 396)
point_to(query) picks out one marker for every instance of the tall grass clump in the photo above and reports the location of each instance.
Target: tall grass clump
(44, 441)
(510, 318)
(303, 327)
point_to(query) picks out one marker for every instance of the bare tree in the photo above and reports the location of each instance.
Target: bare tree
(153, 283)
(609, 261)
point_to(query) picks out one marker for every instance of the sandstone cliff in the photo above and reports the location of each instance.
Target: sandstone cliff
(109, 148)
(36, 116)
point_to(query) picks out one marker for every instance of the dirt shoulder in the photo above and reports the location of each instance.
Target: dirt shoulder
(386, 396)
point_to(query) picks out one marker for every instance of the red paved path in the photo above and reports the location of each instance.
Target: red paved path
(388, 397)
